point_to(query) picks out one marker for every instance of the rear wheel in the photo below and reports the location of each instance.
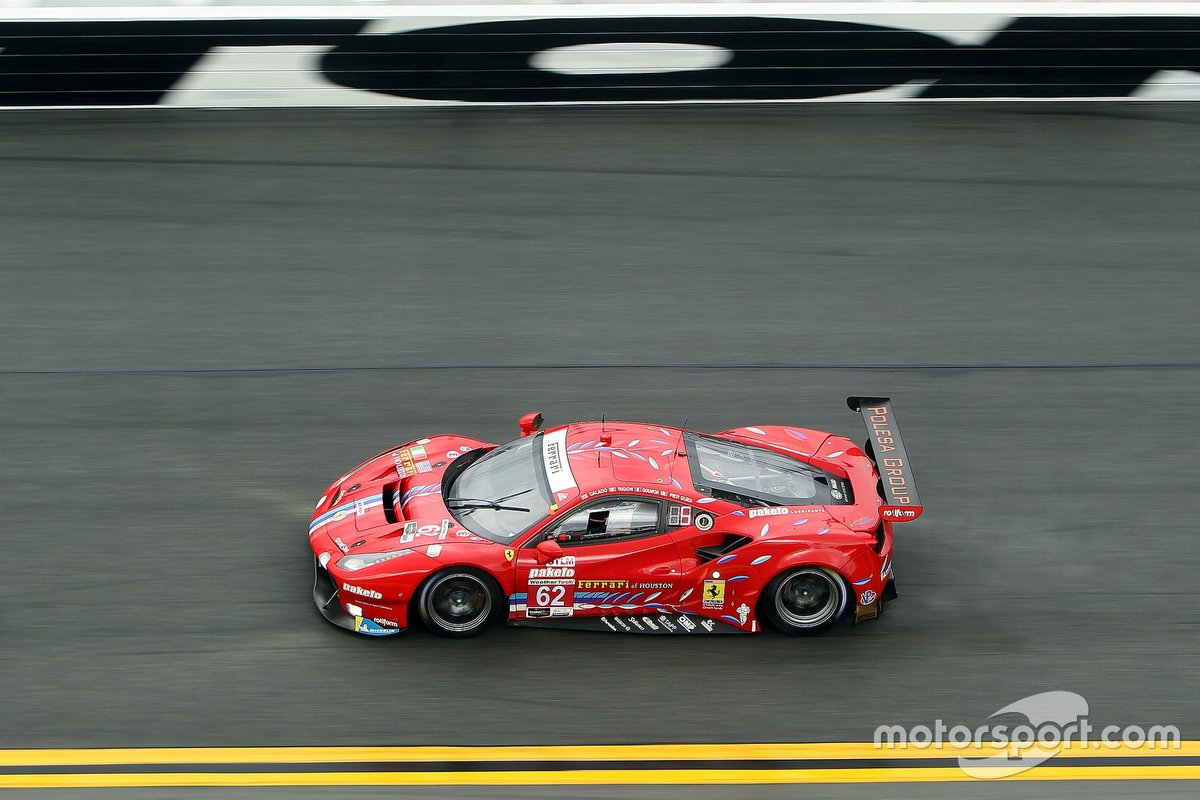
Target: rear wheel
(458, 603)
(805, 601)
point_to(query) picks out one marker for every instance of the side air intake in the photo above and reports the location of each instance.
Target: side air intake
(729, 542)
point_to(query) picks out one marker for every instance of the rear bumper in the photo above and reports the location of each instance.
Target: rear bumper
(874, 609)
(327, 601)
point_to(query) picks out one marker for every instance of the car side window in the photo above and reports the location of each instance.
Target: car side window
(606, 521)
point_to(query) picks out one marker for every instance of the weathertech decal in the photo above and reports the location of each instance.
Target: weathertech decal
(969, 55)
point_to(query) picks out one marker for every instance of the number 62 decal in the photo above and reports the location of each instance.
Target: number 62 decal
(550, 596)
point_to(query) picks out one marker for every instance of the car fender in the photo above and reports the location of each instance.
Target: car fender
(832, 559)
(502, 598)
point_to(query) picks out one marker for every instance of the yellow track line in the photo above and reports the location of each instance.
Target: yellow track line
(583, 777)
(592, 753)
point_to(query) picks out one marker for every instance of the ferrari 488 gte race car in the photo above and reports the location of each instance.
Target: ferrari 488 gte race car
(617, 526)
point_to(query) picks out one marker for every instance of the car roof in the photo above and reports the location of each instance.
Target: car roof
(614, 454)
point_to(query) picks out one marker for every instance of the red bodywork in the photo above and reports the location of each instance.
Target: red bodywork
(676, 581)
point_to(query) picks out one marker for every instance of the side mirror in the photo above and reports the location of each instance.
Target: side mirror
(530, 423)
(548, 550)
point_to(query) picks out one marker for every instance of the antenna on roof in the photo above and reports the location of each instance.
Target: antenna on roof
(675, 454)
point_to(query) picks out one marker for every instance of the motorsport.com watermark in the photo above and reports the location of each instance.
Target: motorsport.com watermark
(1056, 722)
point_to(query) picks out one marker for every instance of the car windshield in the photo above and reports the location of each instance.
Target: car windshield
(502, 494)
(752, 475)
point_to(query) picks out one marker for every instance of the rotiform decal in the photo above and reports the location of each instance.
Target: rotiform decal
(770, 58)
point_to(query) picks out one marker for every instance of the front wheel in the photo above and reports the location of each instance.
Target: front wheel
(805, 601)
(458, 603)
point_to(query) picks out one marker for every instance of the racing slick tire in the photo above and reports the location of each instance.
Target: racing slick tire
(458, 603)
(805, 601)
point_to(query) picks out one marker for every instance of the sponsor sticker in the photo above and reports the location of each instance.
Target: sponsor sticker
(560, 571)
(743, 612)
(404, 463)
(594, 584)
(554, 457)
(372, 628)
(776, 511)
(891, 512)
(714, 594)
(433, 551)
(552, 576)
(867, 597)
(360, 591)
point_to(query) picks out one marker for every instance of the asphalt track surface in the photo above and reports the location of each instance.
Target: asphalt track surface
(205, 317)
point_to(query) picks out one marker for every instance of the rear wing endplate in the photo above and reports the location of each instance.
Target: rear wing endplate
(902, 502)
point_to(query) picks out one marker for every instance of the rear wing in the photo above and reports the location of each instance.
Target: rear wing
(902, 502)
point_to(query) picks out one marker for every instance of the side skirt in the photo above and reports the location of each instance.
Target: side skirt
(650, 623)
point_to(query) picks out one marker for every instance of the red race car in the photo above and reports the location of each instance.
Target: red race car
(617, 526)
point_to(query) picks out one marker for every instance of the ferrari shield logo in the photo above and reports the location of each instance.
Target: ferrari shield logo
(509, 555)
(714, 594)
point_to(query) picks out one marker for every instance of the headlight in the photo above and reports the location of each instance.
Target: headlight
(363, 560)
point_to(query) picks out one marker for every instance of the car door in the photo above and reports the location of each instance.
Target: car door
(617, 556)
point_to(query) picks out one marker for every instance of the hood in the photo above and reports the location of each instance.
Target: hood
(377, 500)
